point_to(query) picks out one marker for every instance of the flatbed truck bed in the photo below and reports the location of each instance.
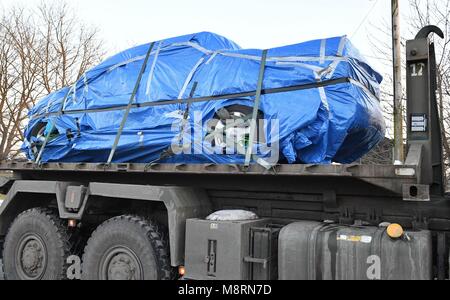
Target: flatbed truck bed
(388, 177)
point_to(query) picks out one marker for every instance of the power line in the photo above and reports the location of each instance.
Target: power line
(365, 18)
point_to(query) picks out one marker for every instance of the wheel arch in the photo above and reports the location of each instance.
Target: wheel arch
(180, 203)
(24, 195)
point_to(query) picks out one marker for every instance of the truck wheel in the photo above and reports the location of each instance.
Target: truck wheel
(36, 247)
(240, 132)
(127, 248)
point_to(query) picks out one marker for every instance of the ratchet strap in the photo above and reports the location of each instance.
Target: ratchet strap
(253, 126)
(168, 153)
(130, 105)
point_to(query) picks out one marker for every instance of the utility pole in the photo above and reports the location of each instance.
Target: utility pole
(398, 89)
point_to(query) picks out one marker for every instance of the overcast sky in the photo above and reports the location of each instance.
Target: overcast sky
(250, 23)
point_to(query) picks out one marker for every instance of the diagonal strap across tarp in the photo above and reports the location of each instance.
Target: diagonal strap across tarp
(130, 105)
(253, 126)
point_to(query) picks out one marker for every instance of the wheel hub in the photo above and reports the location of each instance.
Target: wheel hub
(32, 258)
(122, 268)
(121, 264)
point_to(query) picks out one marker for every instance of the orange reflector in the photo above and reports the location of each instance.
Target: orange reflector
(72, 223)
(395, 231)
(182, 271)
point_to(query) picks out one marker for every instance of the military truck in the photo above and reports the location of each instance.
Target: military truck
(134, 221)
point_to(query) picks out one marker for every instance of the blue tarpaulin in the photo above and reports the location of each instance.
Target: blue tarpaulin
(322, 94)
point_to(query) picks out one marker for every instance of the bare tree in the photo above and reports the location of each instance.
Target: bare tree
(422, 13)
(69, 47)
(41, 51)
(19, 57)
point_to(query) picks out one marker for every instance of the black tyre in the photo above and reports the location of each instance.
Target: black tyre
(127, 248)
(36, 247)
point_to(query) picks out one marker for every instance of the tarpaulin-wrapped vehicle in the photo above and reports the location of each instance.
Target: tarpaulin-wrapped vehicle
(315, 102)
(233, 221)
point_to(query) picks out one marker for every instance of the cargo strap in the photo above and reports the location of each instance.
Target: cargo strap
(253, 126)
(185, 120)
(130, 104)
(169, 152)
(165, 102)
(53, 127)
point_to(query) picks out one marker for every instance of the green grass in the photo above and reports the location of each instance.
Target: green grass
(2, 197)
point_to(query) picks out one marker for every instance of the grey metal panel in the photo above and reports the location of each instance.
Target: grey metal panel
(424, 127)
(125, 191)
(264, 248)
(383, 176)
(32, 187)
(39, 187)
(416, 193)
(296, 251)
(181, 203)
(232, 240)
(75, 196)
(312, 250)
(4, 181)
